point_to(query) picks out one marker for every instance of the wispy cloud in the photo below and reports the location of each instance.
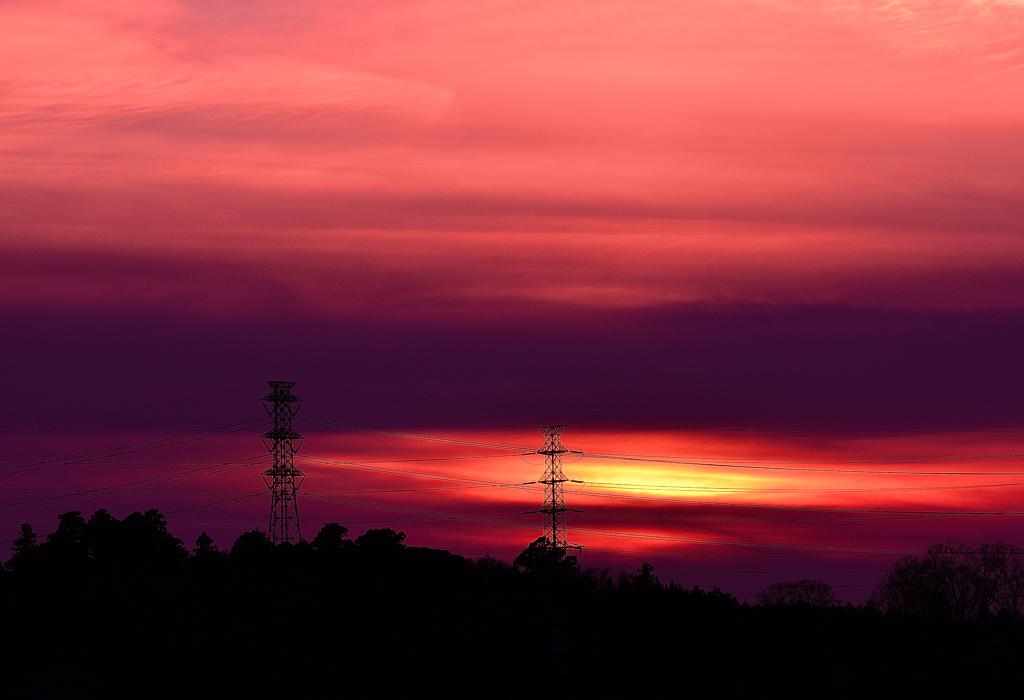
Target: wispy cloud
(986, 30)
(660, 152)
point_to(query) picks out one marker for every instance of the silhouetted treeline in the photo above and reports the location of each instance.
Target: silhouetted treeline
(957, 581)
(105, 608)
(815, 594)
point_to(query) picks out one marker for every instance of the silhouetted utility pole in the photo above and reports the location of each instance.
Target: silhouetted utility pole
(553, 480)
(284, 478)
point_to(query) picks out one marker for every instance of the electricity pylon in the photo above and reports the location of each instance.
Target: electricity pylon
(554, 497)
(283, 479)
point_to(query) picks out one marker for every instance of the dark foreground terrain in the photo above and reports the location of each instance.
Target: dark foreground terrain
(117, 609)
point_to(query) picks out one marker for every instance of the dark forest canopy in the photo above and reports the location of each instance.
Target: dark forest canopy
(103, 607)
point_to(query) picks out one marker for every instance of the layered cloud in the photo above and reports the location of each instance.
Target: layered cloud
(653, 153)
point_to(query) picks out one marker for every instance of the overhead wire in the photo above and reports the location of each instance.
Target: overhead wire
(495, 520)
(762, 489)
(217, 505)
(654, 459)
(135, 448)
(362, 466)
(478, 483)
(474, 483)
(229, 393)
(135, 484)
(666, 423)
(814, 519)
(725, 504)
(662, 459)
(411, 436)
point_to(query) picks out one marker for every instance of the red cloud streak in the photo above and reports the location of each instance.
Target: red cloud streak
(706, 507)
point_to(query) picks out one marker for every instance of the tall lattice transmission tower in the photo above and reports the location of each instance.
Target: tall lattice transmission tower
(283, 479)
(554, 480)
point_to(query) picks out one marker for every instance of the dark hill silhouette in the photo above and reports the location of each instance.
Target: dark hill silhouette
(107, 608)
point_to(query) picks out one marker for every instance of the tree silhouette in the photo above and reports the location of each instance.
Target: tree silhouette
(141, 539)
(66, 547)
(380, 606)
(1008, 567)
(206, 558)
(204, 545)
(23, 548)
(543, 555)
(813, 593)
(333, 537)
(102, 535)
(381, 540)
(645, 577)
(70, 530)
(954, 580)
(251, 546)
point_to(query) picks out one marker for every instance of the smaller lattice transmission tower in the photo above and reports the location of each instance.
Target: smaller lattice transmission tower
(283, 479)
(554, 509)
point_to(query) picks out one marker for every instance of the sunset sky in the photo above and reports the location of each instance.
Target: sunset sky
(766, 258)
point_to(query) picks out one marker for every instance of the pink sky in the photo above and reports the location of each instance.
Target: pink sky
(549, 165)
(779, 152)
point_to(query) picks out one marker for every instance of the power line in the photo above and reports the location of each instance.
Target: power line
(217, 505)
(131, 463)
(865, 460)
(793, 507)
(665, 423)
(728, 543)
(661, 459)
(403, 472)
(494, 520)
(436, 459)
(597, 494)
(65, 492)
(132, 449)
(766, 572)
(465, 483)
(411, 436)
(653, 459)
(132, 485)
(835, 585)
(194, 510)
(436, 515)
(731, 489)
(731, 555)
(166, 404)
(749, 519)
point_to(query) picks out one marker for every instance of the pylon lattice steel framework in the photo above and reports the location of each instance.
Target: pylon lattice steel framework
(554, 479)
(283, 479)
